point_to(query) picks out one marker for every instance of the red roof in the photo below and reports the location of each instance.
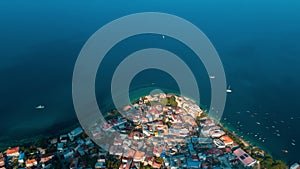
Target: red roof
(12, 150)
(30, 161)
(226, 139)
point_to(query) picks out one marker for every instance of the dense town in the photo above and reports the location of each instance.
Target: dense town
(156, 131)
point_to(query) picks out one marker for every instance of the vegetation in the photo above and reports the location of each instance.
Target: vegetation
(172, 101)
(159, 160)
(164, 101)
(269, 163)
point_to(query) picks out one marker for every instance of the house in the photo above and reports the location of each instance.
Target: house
(60, 146)
(193, 164)
(31, 162)
(226, 140)
(219, 143)
(294, 166)
(21, 158)
(128, 153)
(68, 154)
(245, 158)
(13, 152)
(139, 156)
(216, 133)
(74, 133)
(2, 160)
(47, 157)
(63, 138)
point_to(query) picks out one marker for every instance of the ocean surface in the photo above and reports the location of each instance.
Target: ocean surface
(258, 43)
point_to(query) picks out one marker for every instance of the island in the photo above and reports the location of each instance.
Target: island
(155, 131)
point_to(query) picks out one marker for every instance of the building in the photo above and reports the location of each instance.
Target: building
(216, 133)
(13, 152)
(31, 162)
(245, 158)
(139, 156)
(21, 158)
(2, 160)
(226, 140)
(295, 166)
(74, 133)
(47, 157)
(63, 138)
(68, 154)
(219, 143)
(60, 146)
(193, 163)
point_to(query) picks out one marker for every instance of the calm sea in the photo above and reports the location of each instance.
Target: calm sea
(258, 43)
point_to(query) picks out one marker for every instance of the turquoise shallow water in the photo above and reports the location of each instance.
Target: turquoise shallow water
(258, 43)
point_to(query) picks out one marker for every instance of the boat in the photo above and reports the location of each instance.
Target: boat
(40, 107)
(293, 144)
(258, 123)
(228, 90)
(163, 36)
(284, 150)
(212, 77)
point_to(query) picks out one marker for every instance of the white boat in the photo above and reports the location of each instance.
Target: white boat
(293, 144)
(212, 77)
(163, 36)
(258, 123)
(40, 107)
(228, 90)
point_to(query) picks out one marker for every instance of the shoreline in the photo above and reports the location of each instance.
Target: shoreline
(35, 139)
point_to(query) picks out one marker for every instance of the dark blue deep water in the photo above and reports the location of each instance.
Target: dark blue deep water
(258, 43)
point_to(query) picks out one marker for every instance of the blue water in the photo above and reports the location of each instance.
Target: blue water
(258, 43)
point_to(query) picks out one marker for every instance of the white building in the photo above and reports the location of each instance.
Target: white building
(295, 166)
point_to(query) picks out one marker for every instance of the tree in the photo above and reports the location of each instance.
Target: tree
(172, 101)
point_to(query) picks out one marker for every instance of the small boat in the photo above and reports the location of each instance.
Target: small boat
(228, 90)
(212, 77)
(40, 107)
(293, 144)
(163, 36)
(258, 123)
(285, 151)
